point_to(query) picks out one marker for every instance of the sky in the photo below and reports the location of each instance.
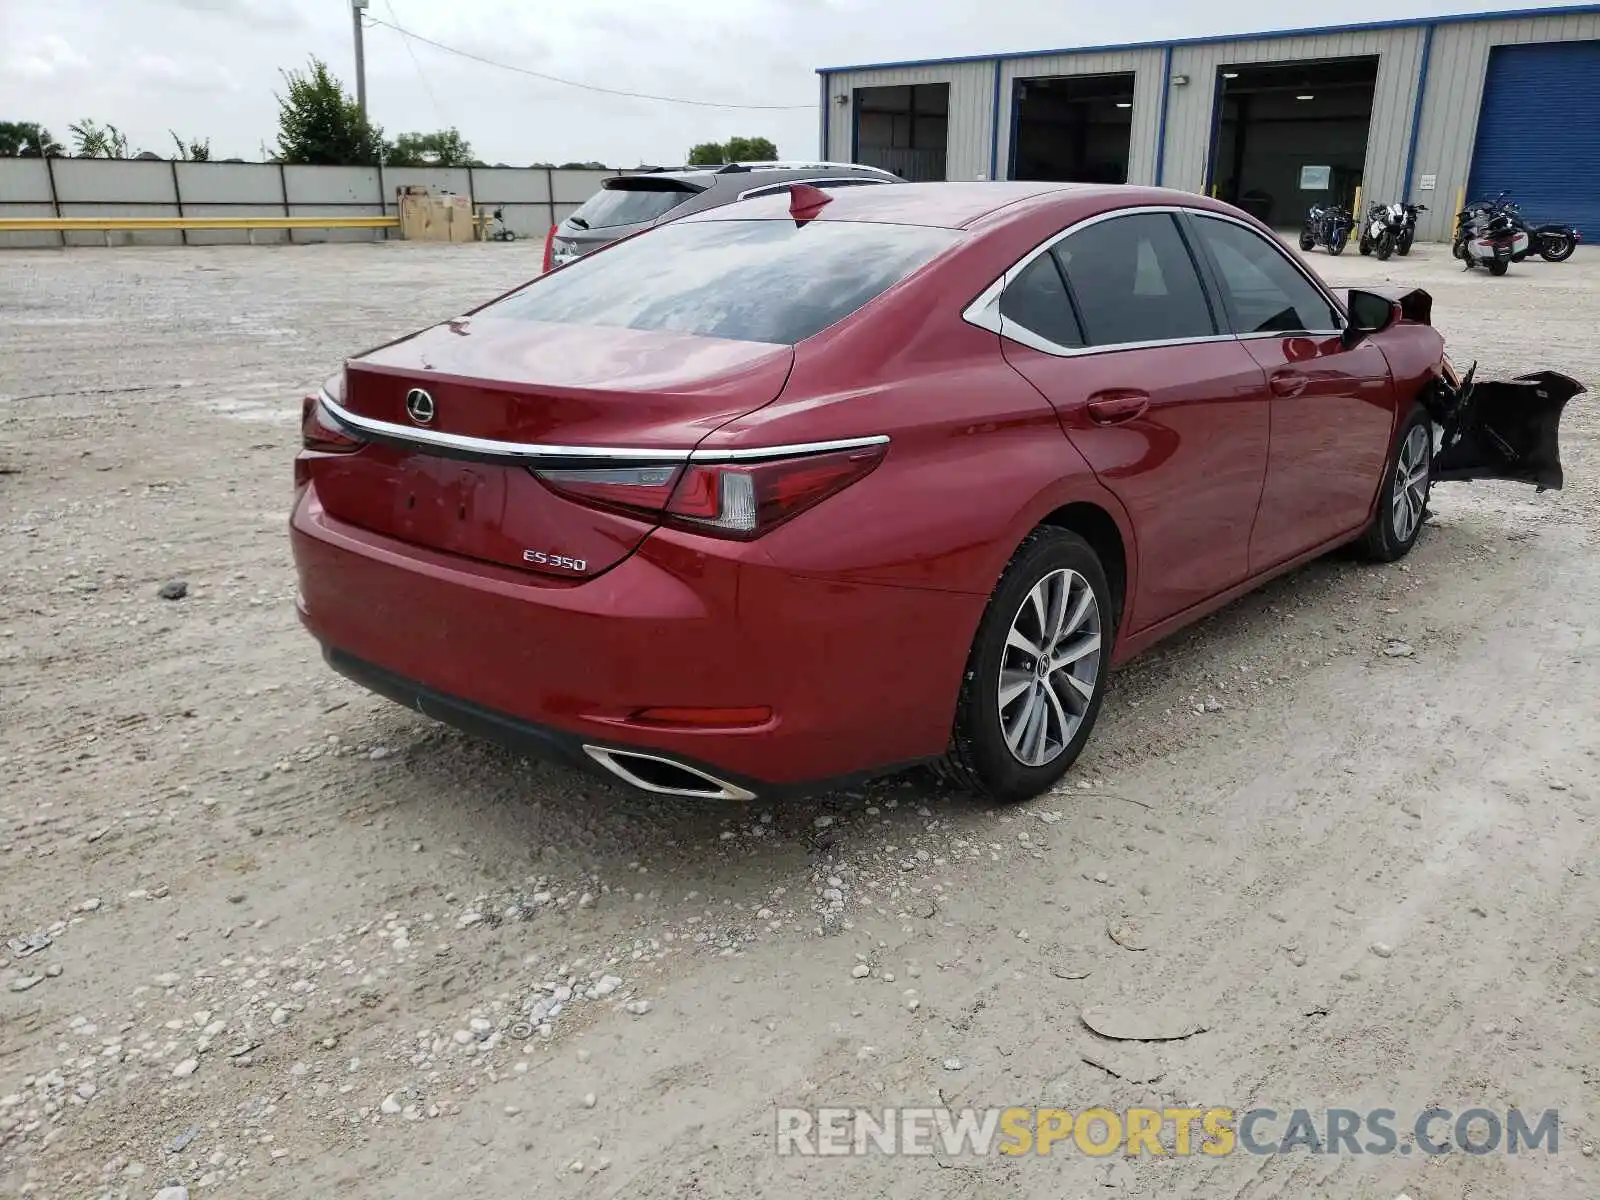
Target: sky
(210, 68)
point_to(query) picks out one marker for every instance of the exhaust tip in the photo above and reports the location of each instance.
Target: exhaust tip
(665, 776)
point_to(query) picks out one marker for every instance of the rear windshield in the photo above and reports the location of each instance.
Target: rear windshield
(614, 206)
(752, 281)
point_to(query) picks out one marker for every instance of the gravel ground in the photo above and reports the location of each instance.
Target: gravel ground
(303, 941)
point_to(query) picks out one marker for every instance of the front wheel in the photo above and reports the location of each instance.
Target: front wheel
(1385, 247)
(1036, 672)
(1498, 266)
(1404, 248)
(1338, 241)
(1403, 498)
(1556, 247)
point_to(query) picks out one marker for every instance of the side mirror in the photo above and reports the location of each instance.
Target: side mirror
(1370, 313)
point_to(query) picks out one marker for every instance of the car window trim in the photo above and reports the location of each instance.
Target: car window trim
(1073, 311)
(1214, 273)
(984, 310)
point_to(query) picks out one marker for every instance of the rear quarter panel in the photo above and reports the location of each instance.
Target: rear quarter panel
(976, 457)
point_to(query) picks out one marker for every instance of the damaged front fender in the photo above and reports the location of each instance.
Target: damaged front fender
(1504, 429)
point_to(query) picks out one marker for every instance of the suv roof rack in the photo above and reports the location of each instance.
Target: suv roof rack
(796, 165)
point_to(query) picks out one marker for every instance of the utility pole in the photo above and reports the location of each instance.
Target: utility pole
(357, 7)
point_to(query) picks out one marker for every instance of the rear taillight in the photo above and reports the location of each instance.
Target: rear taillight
(319, 431)
(733, 500)
(549, 247)
(640, 488)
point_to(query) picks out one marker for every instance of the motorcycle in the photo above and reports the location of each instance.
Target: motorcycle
(1327, 225)
(1491, 238)
(1408, 235)
(1390, 229)
(1553, 242)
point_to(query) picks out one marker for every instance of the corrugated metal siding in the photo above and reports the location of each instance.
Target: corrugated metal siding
(1455, 94)
(1146, 66)
(1191, 107)
(971, 111)
(1524, 86)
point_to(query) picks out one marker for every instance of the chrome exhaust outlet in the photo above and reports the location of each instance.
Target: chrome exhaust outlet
(664, 776)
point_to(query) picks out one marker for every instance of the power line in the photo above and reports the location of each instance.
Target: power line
(421, 75)
(588, 87)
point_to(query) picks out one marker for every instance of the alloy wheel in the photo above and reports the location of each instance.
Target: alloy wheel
(1410, 495)
(1049, 668)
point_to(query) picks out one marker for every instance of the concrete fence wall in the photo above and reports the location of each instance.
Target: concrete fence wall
(534, 198)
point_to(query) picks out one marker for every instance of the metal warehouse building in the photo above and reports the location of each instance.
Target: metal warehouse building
(1274, 122)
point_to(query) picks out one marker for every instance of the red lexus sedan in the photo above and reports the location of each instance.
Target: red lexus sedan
(812, 487)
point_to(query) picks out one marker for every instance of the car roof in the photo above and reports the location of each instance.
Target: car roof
(957, 205)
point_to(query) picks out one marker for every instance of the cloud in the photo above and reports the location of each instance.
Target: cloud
(258, 14)
(193, 75)
(44, 59)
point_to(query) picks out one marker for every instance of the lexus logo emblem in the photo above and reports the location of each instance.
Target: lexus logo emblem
(419, 405)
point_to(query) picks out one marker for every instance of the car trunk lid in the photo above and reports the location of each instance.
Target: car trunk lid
(457, 417)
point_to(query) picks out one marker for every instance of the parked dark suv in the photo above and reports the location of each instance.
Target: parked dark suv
(630, 203)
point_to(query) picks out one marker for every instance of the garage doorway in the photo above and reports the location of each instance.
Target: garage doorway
(1539, 132)
(1280, 123)
(1073, 129)
(903, 129)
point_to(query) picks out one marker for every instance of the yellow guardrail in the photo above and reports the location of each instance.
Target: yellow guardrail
(110, 225)
(124, 224)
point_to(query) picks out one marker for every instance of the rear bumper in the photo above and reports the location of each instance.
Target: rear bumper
(860, 678)
(523, 737)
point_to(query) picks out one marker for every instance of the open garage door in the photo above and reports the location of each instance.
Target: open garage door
(1278, 119)
(903, 129)
(1539, 132)
(1073, 129)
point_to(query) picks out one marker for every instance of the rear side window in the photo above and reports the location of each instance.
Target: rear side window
(751, 281)
(632, 205)
(1263, 291)
(1134, 281)
(1037, 301)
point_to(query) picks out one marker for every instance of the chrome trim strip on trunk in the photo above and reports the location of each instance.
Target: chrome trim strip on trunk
(530, 451)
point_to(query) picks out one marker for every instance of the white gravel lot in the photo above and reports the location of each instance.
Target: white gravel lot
(303, 942)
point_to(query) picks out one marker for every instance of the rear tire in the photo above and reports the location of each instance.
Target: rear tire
(1018, 725)
(1403, 498)
(1556, 247)
(1307, 241)
(1497, 266)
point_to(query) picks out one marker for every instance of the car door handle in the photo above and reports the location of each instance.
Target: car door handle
(1287, 383)
(1117, 406)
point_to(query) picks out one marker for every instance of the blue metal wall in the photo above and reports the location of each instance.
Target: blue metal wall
(1539, 132)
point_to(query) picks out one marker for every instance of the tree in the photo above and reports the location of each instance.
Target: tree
(99, 141)
(756, 149)
(196, 151)
(28, 139)
(319, 123)
(582, 166)
(444, 148)
(738, 149)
